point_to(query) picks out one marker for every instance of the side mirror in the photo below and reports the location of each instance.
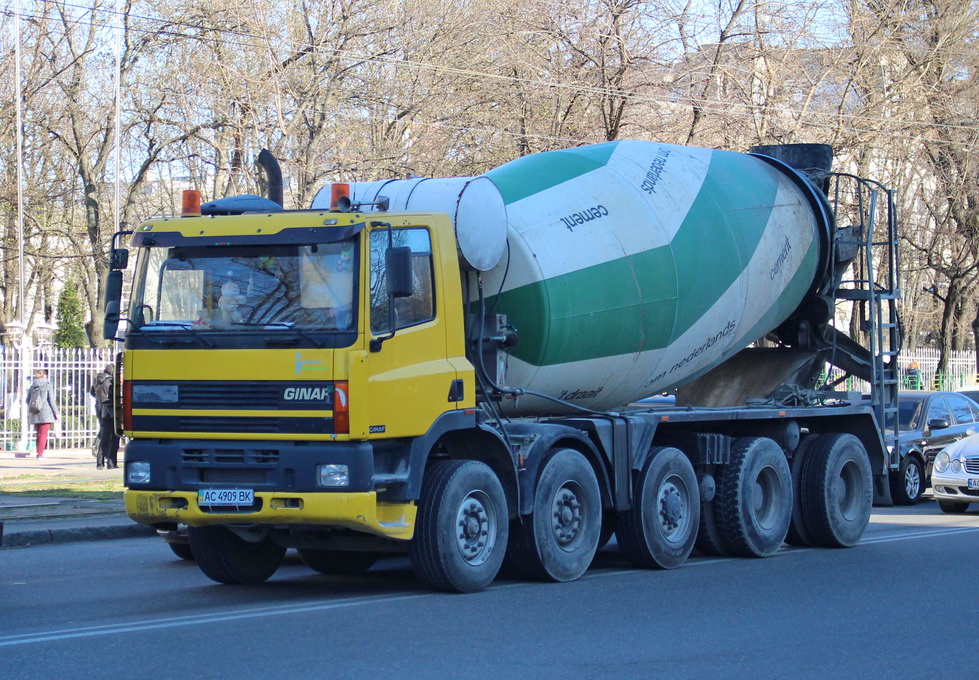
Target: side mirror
(118, 258)
(397, 262)
(938, 424)
(113, 298)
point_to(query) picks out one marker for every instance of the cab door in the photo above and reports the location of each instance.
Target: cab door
(410, 373)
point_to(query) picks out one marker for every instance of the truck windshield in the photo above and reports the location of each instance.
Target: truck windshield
(272, 287)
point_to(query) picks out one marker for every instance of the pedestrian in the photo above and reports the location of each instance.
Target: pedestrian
(41, 409)
(104, 391)
(914, 376)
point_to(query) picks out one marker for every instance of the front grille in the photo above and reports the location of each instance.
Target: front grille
(972, 465)
(233, 424)
(243, 395)
(236, 456)
(233, 476)
(228, 424)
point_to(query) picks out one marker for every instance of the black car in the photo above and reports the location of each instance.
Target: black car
(928, 422)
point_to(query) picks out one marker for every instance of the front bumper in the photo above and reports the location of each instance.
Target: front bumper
(359, 511)
(950, 486)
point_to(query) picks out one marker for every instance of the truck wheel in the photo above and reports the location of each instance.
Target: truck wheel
(225, 557)
(462, 527)
(836, 490)
(798, 534)
(341, 562)
(952, 508)
(660, 529)
(182, 550)
(908, 484)
(754, 498)
(560, 539)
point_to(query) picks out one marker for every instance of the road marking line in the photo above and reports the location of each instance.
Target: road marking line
(194, 619)
(278, 610)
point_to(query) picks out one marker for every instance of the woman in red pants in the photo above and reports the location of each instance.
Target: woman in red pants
(41, 409)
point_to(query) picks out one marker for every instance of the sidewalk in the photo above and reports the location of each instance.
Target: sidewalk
(27, 520)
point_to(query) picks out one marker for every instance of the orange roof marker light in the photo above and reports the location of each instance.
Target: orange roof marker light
(340, 197)
(191, 204)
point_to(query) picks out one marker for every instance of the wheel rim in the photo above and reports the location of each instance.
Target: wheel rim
(767, 498)
(476, 522)
(566, 511)
(847, 491)
(912, 480)
(672, 508)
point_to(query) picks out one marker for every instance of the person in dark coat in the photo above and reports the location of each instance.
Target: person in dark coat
(104, 391)
(41, 409)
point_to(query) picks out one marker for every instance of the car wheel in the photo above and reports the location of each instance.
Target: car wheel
(908, 484)
(952, 508)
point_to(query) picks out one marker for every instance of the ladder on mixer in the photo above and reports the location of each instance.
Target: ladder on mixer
(877, 284)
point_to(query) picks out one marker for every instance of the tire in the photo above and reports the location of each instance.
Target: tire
(953, 508)
(338, 562)
(909, 482)
(182, 550)
(462, 527)
(709, 540)
(559, 540)
(660, 529)
(227, 558)
(754, 498)
(798, 535)
(836, 490)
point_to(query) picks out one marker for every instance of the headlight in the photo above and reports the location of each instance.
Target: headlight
(956, 465)
(138, 472)
(332, 475)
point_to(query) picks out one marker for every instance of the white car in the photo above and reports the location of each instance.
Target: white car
(955, 477)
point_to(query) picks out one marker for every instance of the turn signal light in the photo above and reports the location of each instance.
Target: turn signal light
(341, 407)
(191, 204)
(127, 407)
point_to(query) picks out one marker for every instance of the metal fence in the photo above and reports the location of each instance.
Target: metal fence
(71, 372)
(961, 372)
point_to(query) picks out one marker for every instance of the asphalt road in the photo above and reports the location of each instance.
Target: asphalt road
(902, 604)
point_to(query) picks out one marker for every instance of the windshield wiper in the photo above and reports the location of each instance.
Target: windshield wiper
(178, 324)
(285, 325)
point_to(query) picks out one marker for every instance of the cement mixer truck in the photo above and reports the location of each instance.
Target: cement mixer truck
(453, 369)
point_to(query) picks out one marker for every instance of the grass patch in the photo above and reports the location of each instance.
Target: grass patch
(101, 490)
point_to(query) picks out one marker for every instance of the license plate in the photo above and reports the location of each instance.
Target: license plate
(235, 497)
(974, 483)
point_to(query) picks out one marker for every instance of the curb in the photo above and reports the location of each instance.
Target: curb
(23, 539)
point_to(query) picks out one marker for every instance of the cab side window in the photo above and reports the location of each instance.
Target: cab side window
(409, 311)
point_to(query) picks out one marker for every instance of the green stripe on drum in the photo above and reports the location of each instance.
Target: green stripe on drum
(646, 301)
(533, 174)
(619, 307)
(715, 242)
